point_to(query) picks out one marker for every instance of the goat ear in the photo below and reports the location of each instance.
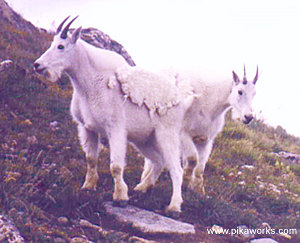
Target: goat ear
(236, 78)
(75, 35)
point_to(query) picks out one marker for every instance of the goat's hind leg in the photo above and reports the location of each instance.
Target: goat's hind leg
(90, 144)
(169, 144)
(151, 172)
(148, 168)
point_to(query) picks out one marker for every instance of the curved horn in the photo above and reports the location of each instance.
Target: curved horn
(61, 25)
(244, 78)
(64, 33)
(256, 76)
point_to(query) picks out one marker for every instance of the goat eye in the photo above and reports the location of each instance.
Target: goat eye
(60, 47)
(241, 92)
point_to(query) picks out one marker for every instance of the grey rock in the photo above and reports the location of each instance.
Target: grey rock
(6, 64)
(59, 240)
(263, 240)
(244, 232)
(99, 39)
(62, 220)
(79, 240)
(135, 239)
(148, 222)
(290, 158)
(8, 232)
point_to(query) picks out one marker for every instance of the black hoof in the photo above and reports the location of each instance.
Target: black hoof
(173, 214)
(121, 204)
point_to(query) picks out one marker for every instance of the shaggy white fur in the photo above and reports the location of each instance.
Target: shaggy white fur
(157, 91)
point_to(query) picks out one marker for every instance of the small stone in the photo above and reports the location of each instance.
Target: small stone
(27, 122)
(54, 126)
(244, 232)
(5, 65)
(284, 235)
(217, 229)
(265, 225)
(231, 174)
(264, 240)
(86, 223)
(62, 220)
(248, 167)
(59, 240)
(79, 240)
(135, 239)
(32, 140)
(242, 183)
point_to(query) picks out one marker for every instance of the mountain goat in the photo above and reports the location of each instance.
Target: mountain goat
(104, 105)
(203, 120)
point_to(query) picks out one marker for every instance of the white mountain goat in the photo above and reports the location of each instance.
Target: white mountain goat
(204, 119)
(106, 104)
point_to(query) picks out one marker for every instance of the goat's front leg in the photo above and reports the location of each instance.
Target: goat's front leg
(90, 144)
(118, 143)
(189, 153)
(197, 182)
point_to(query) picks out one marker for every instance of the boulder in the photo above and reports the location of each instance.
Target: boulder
(99, 39)
(8, 231)
(148, 222)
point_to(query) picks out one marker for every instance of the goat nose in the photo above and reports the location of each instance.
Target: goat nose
(248, 119)
(38, 68)
(36, 65)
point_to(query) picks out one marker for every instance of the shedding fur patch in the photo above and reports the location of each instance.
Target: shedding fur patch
(157, 91)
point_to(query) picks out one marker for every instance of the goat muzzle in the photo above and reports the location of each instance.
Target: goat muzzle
(38, 68)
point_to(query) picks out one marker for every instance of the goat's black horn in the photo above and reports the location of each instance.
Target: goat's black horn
(64, 33)
(256, 76)
(61, 25)
(245, 78)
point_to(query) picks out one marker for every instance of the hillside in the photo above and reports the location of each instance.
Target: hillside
(20, 40)
(42, 165)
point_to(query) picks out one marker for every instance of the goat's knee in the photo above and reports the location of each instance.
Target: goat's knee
(148, 167)
(152, 171)
(120, 188)
(91, 178)
(189, 164)
(196, 183)
(176, 174)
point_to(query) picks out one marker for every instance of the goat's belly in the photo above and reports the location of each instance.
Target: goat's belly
(139, 125)
(139, 130)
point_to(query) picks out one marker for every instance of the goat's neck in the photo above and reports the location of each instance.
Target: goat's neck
(221, 102)
(220, 110)
(92, 65)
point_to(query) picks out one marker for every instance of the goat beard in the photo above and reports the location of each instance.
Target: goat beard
(53, 75)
